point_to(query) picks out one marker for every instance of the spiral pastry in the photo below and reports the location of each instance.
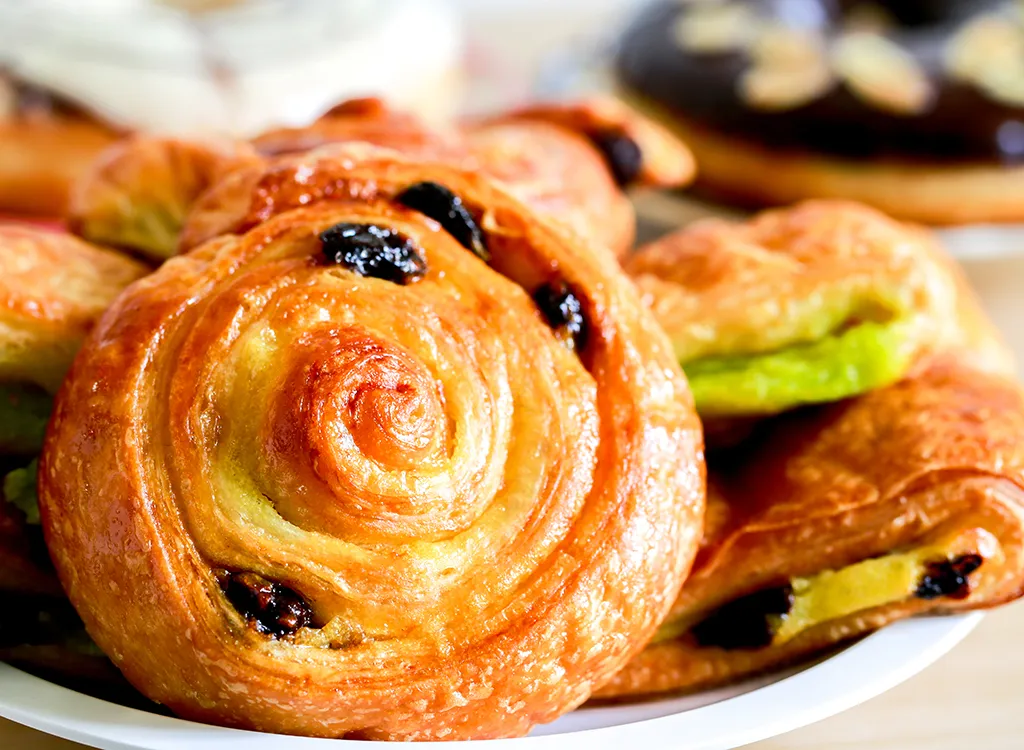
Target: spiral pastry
(335, 473)
(835, 521)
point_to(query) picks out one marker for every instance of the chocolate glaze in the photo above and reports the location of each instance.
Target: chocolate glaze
(963, 124)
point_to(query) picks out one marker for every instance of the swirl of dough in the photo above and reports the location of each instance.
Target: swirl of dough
(331, 473)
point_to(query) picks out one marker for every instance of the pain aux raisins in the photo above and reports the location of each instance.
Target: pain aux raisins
(270, 608)
(564, 313)
(623, 155)
(745, 623)
(448, 210)
(373, 251)
(948, 577)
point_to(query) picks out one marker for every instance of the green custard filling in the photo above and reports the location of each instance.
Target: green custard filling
(861, 358)
(19, 489)
(772, 617)
(24, 412)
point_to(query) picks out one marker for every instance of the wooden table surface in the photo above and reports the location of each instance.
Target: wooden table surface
(972, 699)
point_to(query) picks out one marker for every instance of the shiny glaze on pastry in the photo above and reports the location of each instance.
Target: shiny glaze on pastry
(137, 194)
(571, 162)
(907, 500)
(53, 287)
(815, 303)
(366, 485)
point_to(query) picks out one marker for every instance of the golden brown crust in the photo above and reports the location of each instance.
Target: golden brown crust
(41, 157)
(936, 455)
(666, 161)
(370, 120)
(785, 276)
(485, 525)
(137, 194)
(939, 195)
(53, 287)
(544, 155)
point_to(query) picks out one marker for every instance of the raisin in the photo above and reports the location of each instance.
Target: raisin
(270, 608)
(624, 157)
(564, 313)
(948, 577)
(744, 623)
(446, 208)
(373, 251)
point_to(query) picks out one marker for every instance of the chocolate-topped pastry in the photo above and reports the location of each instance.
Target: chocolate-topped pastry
(913, 106)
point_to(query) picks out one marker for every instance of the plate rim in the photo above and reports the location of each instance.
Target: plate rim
(839, 682)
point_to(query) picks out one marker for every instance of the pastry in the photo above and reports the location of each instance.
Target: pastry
(572, 162)
(137, 193)
(834, 521)
(76, 76)
(45, 144)
(53, 287)
(546, 154)
(912, 107)
(396, 460)
(806, 305)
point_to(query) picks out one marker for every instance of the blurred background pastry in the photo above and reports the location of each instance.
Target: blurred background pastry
(915, 107)
(76, 76)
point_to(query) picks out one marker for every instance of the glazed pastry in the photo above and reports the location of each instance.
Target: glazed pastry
(911, 106)
(838, 520)
(570, 162)
(574, 162)
(806, 305)
(397, 460)
(137, 194)
(52, 289)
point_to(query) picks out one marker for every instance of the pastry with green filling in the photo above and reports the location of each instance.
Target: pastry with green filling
(832, 521)
(53, 288)
(808, 305)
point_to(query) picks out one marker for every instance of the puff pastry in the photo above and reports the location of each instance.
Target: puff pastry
(367, 483)
(569, 162)
(806, 305)
(837, 520)
(53, 287)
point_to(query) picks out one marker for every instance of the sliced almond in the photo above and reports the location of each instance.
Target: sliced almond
(776, 89)
(982, 45)
(779, 46)
(709, 28)
(1005, 84)
(882, 73)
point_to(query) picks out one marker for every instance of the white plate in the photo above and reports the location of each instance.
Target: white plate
(715, 720)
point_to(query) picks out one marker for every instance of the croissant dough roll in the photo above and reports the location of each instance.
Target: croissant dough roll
(138, 192)
(569, 162)
(842, 519)
(806, 305)
(365, 485)
(52, 289)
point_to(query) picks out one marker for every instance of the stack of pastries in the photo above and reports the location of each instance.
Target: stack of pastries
(391, 436)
